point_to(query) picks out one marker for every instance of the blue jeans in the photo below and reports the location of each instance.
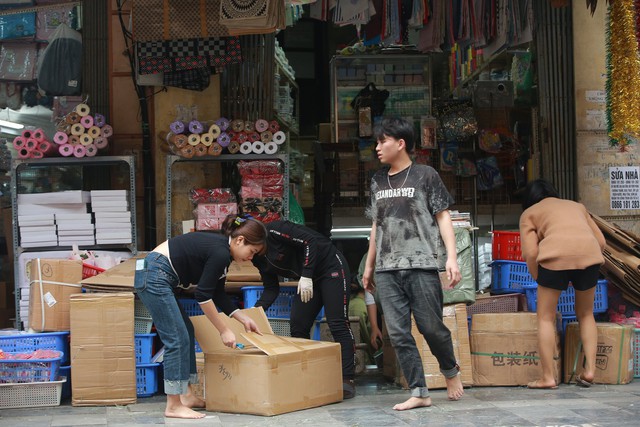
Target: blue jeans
(154, 285)
(417, 292)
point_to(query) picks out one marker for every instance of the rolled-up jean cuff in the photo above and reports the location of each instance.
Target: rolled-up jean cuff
(420, 392)
(175, 386)
(450, 373)
(193, 379)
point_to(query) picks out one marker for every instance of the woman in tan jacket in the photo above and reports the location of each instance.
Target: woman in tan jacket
(561, 245)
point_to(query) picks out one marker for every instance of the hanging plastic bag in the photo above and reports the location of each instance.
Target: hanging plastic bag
(489, 176)
(60, 70)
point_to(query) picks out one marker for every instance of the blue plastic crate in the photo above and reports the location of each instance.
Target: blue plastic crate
(147, 379)
(281, 307)
(510, 277)
(190, 307)
(29, 370)
(25, 343)
(144, 348)
(636, 352)
(282, 327)
(65, 371)
(567, 300)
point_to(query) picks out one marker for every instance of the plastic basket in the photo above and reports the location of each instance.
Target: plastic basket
(636, 352)
(142, 325)
(147, 379)
(282, 327)
(24, 343)
(510, 277)
(281, 307)
(30, 395)
(144, 348)
(506, 303)
(29, 370)
(567, 300)
(190, 306)
(139, 309)
(65, 371)
(505, 245)
(89, 270)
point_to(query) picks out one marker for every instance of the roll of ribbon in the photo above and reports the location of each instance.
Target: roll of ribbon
(223, 123)
(38, 135)
(27, 133)
(18, 142)
(77, 129)
(82, 110)
(207, 139)
(279, 137)
(214, 130)
(74, 139)
(72, 118)
(195, 127)
(193, 139)
(249, 126)
(254, 136)
(180, 140)
(232, 135)
(64, 127)
(242, 137)
(274, 126)
(233, 147)
(246, 148)
(223, 139)
(31, 144)
(99, 120)
(45, 147)
(257, 147)
(86, 121)
(101, 142)
(177, 127)
(237, 125)
(266, 136)
(215, 149)
(94, 131)
(92, 150)
(23, 153)
(36, 154)
(262, 125)
(201, 150)
(270, 148)
(188, 151)
(60, 138)
(79, 150)
(106, 131)
(85, 139)
(65, 150)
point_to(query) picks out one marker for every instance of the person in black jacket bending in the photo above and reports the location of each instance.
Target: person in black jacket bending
(298, 252)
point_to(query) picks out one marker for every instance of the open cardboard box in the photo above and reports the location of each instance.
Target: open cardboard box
(272, 375)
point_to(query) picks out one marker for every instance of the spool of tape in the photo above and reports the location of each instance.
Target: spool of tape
(274, 126)
(99, 120)
(262, 125)
(188, 151)
(38, 135)
(279, 137)
(92, 150)
(270, 148)
(101, 142)
(82, 110)
(237, 125)
(223, 123)
(65, 150)
(249, 126)
(201, 150)
(246, 148)
(106, 131)
(177, 127)
(254, 136)
(181, 140)
(72, 118)
(196, 127)
(266, 136)
(193, 139)
(77, 129)
(94, 131)
(207, 139)
(86, 121)
(215, 130)
(257, 147)
(74, 139)
(79, 150)
(215, 149)
(233, 147)
(85, 139)
(242, 137)
(224, 139)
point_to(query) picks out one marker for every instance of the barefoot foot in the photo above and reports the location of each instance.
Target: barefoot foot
(192, 401)
(454, 388)
(413, 402)
(543, 384)
(182, 412)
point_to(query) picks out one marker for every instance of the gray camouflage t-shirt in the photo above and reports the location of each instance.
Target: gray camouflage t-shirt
(407, 234)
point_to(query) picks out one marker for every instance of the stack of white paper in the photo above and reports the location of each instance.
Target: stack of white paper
(112, 216)
(75, 229)
(37, 230)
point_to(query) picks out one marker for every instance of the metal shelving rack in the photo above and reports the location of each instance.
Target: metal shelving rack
(171, 159)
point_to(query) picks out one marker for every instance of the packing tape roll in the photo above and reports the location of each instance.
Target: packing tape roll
(215, 149)
(215, 130)
(86, 121)
(85, 139)
(196, 127)
(242, 137)
(224, 139)
(180, 140)
(177, 127)
(223, 123)
(188, 151)
(99, 120)
(246, 148)
(266, 136)
(31, 144)
(249, 126)
(92, 150)
(207, 139)
(26, 134)
(65, 150)
(254, 136)
(79, 150)
(262, 125)
(19, 141)
(74, 139)
(106, 131)
(237, 125)
(233, 147)
(279, 137)
(257, 147)
(201, 150)
(270, 148)
(193, 139)
(274, 126)
(77, 129)
(82, 110)
(72, 118)
(94, 131)
(101, 142)
(38, 135)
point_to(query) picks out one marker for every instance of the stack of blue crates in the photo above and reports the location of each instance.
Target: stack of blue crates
(146, 372)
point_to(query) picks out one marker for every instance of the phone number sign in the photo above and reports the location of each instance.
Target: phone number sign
(625, 187)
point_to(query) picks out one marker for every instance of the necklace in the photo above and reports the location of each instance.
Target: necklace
(403, 182)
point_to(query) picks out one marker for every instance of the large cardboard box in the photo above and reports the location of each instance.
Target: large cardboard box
(455, 318)
(272, 375)
(103, 364)
(504, 349)
(614, 356)
(53, 281)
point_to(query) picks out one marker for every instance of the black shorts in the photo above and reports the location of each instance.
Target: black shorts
(581, 280)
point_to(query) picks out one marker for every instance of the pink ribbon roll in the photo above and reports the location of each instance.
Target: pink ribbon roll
(101, 142)
(35, 154)
(46, 148)
(107, 131)
(86, 121)
(65, 150)
(31, 144)
(38, 135)
(27, 133)
(18, 142)
(91, 150)
(23, 153)
(79, 151)
(60, 138)
(262, 125)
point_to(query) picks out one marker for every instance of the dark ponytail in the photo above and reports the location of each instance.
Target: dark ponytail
(253, 231)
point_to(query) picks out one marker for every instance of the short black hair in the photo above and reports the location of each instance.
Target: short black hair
(536, 191)
(398, 128)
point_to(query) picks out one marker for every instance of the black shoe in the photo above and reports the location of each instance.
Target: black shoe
(348, 389)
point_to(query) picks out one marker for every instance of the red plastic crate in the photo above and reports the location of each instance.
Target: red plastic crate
(89, 270)
(505, 245)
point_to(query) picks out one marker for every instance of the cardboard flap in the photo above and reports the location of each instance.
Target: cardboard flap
(121, 275)
(272, 345)
(209, 337)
